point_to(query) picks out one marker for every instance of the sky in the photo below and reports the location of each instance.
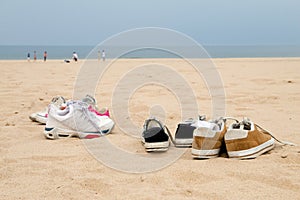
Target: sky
(209, 22)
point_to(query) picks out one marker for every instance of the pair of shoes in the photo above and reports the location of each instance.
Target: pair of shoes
(75, 118)
(42, 116)
(155, 136)
(243, 140)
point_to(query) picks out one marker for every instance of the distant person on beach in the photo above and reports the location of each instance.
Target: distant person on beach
(28, 57)
(34, 55)
(45, 56)
(103, 55)
(99, 55)
(75, 56)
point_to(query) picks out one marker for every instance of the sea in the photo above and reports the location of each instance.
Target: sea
(214, 51)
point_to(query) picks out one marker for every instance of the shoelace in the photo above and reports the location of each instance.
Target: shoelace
(89, 115)
(229, 118)
(280, 141)
(170, 135)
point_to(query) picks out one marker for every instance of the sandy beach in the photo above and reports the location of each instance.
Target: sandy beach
(267, 90)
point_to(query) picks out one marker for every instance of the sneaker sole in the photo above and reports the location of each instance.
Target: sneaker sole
(184, 143)
(156, 146)
(204, 154)
(157, 149)
(253, 152)
(54, 133)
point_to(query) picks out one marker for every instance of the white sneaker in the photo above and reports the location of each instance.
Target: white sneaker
(42, 116)
(76, 120)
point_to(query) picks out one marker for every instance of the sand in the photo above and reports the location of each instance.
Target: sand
(267, 90)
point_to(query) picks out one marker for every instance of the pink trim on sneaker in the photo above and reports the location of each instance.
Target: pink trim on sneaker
(91, 136)
(106, 113)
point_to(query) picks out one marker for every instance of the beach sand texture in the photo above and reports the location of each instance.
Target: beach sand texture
(267, 90)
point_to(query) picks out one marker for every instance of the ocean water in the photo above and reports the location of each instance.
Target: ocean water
(65, 52)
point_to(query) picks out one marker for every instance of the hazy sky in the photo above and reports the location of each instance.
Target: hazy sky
(88, 22)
